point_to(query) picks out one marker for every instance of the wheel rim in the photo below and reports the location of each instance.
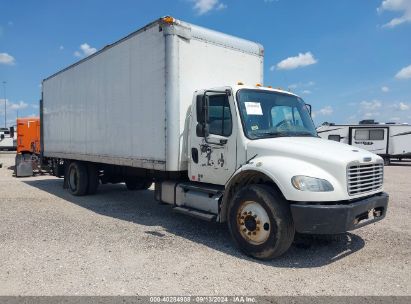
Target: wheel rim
(73, 179)
(253, 223)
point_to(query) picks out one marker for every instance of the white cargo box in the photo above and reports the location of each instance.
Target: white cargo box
(127, 104)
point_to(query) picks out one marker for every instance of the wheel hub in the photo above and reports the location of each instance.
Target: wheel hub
(253, 223)
(250, 223)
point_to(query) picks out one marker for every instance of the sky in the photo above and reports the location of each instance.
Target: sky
(351, 60)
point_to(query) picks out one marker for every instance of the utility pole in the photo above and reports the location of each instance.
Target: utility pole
(5, 104)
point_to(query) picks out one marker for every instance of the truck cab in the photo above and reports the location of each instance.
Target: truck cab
(255, 161)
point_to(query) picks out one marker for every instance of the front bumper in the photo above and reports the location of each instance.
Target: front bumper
(339, 218)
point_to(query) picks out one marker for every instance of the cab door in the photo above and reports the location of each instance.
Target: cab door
(372, 139)
(213, 153)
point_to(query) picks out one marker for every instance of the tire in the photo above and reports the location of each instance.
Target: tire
(93, 179)
(269, 228)
(77, 178)
(134, 183)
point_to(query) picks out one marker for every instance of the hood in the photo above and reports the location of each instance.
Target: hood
(310, 149)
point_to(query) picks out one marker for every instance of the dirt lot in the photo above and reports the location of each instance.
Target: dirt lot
(125, 243)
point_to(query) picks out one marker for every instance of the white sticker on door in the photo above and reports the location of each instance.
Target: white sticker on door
(253, 108)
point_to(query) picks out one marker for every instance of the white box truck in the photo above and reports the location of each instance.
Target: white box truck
(164, 105)
(390, 140)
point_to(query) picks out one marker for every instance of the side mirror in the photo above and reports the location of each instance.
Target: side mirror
(309, 108)
(2, 136)
(12, 132)
(201, 109)
(202, 130)
(202, 113)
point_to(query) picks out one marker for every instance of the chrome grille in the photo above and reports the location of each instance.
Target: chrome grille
(362, 178)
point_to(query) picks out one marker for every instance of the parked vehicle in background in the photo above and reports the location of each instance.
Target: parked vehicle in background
(28, 146)
(164, 105)
(7, 139)
(390, 140)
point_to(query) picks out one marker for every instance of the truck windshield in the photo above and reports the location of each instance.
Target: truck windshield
(270, 114)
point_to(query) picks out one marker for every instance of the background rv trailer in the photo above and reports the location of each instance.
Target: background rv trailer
(387, 140)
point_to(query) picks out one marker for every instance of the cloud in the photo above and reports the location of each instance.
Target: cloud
(301, 84)
(385, 89)
(299, 61)
(402, 106)
(384, 111)
(328, 110)
(204, 6)
(307, 92)
(402, 6)
(85, 50)
(21, 105)
(6, 59)
(370, 115)
(370, 105)
(404, 73)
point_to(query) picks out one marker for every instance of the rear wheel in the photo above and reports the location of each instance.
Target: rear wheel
(260, 222)
(135, 183)
(77, 178)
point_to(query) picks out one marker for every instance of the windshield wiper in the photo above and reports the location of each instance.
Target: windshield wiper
(284, 134)
(303, 134)
(273, 134)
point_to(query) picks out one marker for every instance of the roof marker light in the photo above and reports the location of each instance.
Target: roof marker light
(240, 83)
(258, 85)
(168, 19)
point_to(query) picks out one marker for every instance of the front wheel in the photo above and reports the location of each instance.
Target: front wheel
(260, 222)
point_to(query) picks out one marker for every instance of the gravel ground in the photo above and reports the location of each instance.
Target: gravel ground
(125, 243)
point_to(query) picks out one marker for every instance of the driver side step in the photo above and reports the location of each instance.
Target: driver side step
(196, 213)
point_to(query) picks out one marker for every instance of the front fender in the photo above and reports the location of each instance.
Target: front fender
(281, 169)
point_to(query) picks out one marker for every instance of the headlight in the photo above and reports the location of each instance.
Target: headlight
(306, 183)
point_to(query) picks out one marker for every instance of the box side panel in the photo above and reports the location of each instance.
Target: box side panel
(204, 65)
(112, 106)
